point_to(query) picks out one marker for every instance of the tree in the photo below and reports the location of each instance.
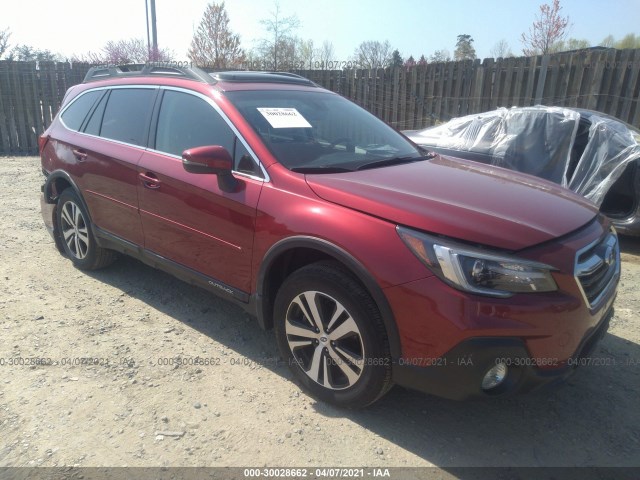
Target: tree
(214, 44)
(325, 54)
(422, 61)
(27, 53)
(5, 35)
(277, 50)
(608, 41)
(464, 48)
(373, 54)
(501, 50)
(121, 52)
(410, 63)
(547, 29)
(306, 53)
(396, 59)
(569, 44)
(440, 56)
(630, 40)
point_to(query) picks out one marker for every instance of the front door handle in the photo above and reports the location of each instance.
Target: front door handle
(149, 180)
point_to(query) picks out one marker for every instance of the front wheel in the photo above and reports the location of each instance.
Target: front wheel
(330, 332)
(74, 229)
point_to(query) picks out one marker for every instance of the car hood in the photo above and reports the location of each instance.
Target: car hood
(461, 199)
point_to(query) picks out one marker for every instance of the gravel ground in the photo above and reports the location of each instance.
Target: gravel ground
(242, 409)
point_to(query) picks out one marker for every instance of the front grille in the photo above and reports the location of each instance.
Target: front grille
(598, 268)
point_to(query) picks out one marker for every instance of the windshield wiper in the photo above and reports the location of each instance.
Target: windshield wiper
(393, 161)
(327, 169)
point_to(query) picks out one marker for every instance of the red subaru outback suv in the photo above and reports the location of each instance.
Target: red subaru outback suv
(376, 262)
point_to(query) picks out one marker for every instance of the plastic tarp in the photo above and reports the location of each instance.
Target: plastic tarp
(541, 141)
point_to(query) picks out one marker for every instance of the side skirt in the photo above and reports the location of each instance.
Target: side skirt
(186, 274)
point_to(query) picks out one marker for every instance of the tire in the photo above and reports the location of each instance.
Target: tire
(74, 228)
(341, 358)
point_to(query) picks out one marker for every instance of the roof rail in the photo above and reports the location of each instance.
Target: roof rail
(151, 69)
(262, 77)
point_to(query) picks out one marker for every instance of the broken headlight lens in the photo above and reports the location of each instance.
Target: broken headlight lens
(478, 271)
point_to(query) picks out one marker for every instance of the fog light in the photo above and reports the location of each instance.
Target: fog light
(494, 376)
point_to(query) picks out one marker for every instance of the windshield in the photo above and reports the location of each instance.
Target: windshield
(319, 131)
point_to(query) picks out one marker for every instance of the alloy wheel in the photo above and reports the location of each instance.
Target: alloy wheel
(325, 340)
(74, 230)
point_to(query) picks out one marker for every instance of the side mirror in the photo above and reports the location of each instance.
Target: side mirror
(211, 159)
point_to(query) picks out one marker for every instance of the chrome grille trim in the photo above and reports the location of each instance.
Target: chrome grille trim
(597, 268)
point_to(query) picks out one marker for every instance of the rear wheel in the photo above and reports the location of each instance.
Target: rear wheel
(74, 229)
(331, 334)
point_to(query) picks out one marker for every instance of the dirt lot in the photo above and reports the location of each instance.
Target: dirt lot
(244, 409)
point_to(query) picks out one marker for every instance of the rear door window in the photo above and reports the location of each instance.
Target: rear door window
(126, 116)
(74, 114)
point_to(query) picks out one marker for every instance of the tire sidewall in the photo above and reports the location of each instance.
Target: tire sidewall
(371, 383)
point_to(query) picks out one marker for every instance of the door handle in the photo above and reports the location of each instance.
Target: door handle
(79, 154)
(149, 180)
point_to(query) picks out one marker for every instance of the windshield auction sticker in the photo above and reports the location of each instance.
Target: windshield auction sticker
(284, 118)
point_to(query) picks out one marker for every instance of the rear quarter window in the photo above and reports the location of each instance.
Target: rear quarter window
(93, 124)
(77, 111)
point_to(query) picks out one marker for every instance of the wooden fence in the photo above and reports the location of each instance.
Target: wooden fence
(30, 96)
(604, 80)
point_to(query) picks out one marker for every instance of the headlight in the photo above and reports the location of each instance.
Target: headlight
(477, 271)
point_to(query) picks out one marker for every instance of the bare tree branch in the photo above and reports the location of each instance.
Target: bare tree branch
(440, 56)
(122, 52)
(373, 54)
(5, 35)
(326, 54)
(501, 50)
(279, 49)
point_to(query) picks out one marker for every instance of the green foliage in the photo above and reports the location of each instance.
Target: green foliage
(396, 59)
(27, 53)
(569, 44)
(630, 40)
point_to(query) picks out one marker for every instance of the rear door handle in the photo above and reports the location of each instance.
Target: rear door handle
(149, 180)
(79, 154)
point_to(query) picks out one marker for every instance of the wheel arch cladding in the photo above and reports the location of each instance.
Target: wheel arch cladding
(57, 182)
(292, 253)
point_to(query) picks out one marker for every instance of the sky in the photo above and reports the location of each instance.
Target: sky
(414, 27)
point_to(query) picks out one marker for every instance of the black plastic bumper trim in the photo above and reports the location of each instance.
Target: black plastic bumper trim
(458, 374)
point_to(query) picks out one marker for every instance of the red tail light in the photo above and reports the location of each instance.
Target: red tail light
(42, 141)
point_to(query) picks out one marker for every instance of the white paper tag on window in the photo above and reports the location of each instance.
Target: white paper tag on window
(284, 118)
